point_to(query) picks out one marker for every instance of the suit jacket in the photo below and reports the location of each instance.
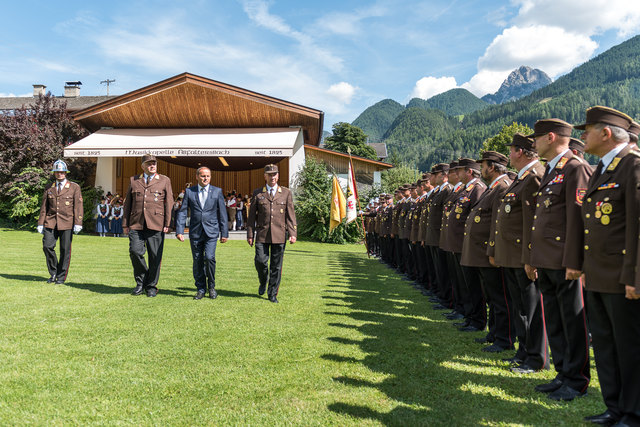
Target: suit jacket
(447, 208)
(209, 220)
(435, 207)
(62, 210)
(270, 218)
(478, 225)
(557, 234)
(610, 215)
(514, 218)
(461, 206)
(148, 205)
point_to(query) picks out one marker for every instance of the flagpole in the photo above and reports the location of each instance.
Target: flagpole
(355, 187)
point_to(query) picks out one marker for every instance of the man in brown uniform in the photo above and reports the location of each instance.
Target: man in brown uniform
(557, 237)
(468, 281)
(60, 217)
(271, 219)
(610, 215)
(474, 252)
(442, 191)
(511, 230)
(147, 215)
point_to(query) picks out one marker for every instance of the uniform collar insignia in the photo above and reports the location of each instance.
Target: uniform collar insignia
(561, 163)
(614, 164)
(470, 187)
(524, 175)
(66, 185)
(279, 189)
(264, 189)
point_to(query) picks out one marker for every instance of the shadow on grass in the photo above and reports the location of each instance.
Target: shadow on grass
(24, 277)
(101, 288)
(431, 370)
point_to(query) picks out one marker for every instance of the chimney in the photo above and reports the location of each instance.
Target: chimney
(39, 90)
(72, 89)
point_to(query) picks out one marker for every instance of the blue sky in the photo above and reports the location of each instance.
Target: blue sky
(336, 56)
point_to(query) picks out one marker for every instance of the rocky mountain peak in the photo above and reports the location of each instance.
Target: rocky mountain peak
(520, 82)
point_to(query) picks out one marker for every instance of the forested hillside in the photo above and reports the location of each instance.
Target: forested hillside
(377, 119)
(454, 102)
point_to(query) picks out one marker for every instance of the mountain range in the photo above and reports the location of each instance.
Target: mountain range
(456, 123)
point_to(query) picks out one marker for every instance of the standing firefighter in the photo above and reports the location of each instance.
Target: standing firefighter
(60, 215)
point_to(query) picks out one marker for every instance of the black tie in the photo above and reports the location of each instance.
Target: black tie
(148, 179)
(598, 171)
(547, 169)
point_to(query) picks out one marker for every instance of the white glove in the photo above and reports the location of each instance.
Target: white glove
(77, 228)
(41, 229)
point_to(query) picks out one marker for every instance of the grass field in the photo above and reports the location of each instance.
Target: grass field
(349, 343)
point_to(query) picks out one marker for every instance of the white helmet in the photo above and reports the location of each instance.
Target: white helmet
(59, 166)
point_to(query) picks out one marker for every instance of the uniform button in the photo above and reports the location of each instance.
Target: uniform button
(586, 247)
(535, 217)
(533, 228)
(624, 252)
(589, 200)
(496, 231)
(529, 245)
(587, 215)
(537, 205)
(558, 238)
(586, 231)
(465, 234)
(517, 240)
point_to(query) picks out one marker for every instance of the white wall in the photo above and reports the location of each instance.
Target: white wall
(106, 174)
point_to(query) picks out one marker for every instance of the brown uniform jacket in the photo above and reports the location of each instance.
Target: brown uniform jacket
(61, 211)
(416, 217)
(610, 215)
(403, 218)
(435, 208)
(557, 234)
(270, 219)
(424, 218)
(514, 218)
(387, 219)
(467, 197)
(148, 205)
(447, 208)
(395, 215)
(478, 225)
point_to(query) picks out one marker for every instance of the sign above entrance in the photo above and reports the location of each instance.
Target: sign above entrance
(270, 142)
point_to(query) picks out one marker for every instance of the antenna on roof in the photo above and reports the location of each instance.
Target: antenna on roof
(107, 82)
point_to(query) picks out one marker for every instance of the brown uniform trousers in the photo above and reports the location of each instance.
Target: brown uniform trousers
(512, 228)
(451, 295)
(557, 240)
(435, 208)
(147, 210)
(59, 212)
(610, 214)
(474, 255)
(271, 218)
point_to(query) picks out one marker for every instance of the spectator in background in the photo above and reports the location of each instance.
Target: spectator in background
(245, 211)
(231, 211)
(116, 217)
(239, 207)
(102, 218)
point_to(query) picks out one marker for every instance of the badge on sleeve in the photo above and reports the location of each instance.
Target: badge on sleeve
(580, 193)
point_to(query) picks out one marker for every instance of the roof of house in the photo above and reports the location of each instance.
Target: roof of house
(73, 104)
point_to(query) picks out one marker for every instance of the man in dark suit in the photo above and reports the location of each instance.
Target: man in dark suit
(557, 244)
(271, 219)
(147, 215)
(208, 222)
(60, 217)
(610, 215)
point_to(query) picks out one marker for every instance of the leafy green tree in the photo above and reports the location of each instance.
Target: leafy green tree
(313, 187)
(505, 136)
(400, 175)
(346, 136)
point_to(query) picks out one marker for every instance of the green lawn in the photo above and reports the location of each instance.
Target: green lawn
(349, 343)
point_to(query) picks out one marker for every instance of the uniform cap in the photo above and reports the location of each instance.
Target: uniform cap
(271, 168)
(557, 126)
(576, 144)
(606, 115)
(522, 141)
(634, 132)
(148, 158)
(59, 166)
(495, 157)
(468, 163)
(440, 167)
(453, 164)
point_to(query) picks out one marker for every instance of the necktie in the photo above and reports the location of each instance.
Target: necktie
(599, 167)
(148, 179)
(203, 196)
(59, 187)
(271, 192)
(547, 169)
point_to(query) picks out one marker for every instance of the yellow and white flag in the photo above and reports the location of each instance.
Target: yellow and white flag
(352, 195)
(338, 210)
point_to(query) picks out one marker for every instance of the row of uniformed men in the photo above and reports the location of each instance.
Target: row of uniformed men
(525, 244)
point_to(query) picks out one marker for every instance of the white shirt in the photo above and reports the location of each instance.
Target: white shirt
(202, 194)
(496, 180)
(275, 188)
(60, 184)
(552, 163)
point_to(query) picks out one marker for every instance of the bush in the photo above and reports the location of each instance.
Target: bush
(313, 206)
(21, 207)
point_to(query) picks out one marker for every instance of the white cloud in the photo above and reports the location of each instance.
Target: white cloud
(429, 86)
(485, 82)
(587, 17)
(349, 24)
(342, 92)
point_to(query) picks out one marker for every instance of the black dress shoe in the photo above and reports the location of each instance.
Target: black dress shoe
(213, 294)
(137, 290)
(262, 289)
(482, 340)
(434, 300)
(524, 369)
(469, 328)
(513, 360)
(59, 282)
(440, 307)
(461, 324)
(456, 316)
(549, 387)
(495, 348)
(565, 393)
(152, 292)
(51, 279)
(273, 299)
(606, 418)
(199, 295)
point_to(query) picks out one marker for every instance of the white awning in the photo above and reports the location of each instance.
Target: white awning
(274, 142)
